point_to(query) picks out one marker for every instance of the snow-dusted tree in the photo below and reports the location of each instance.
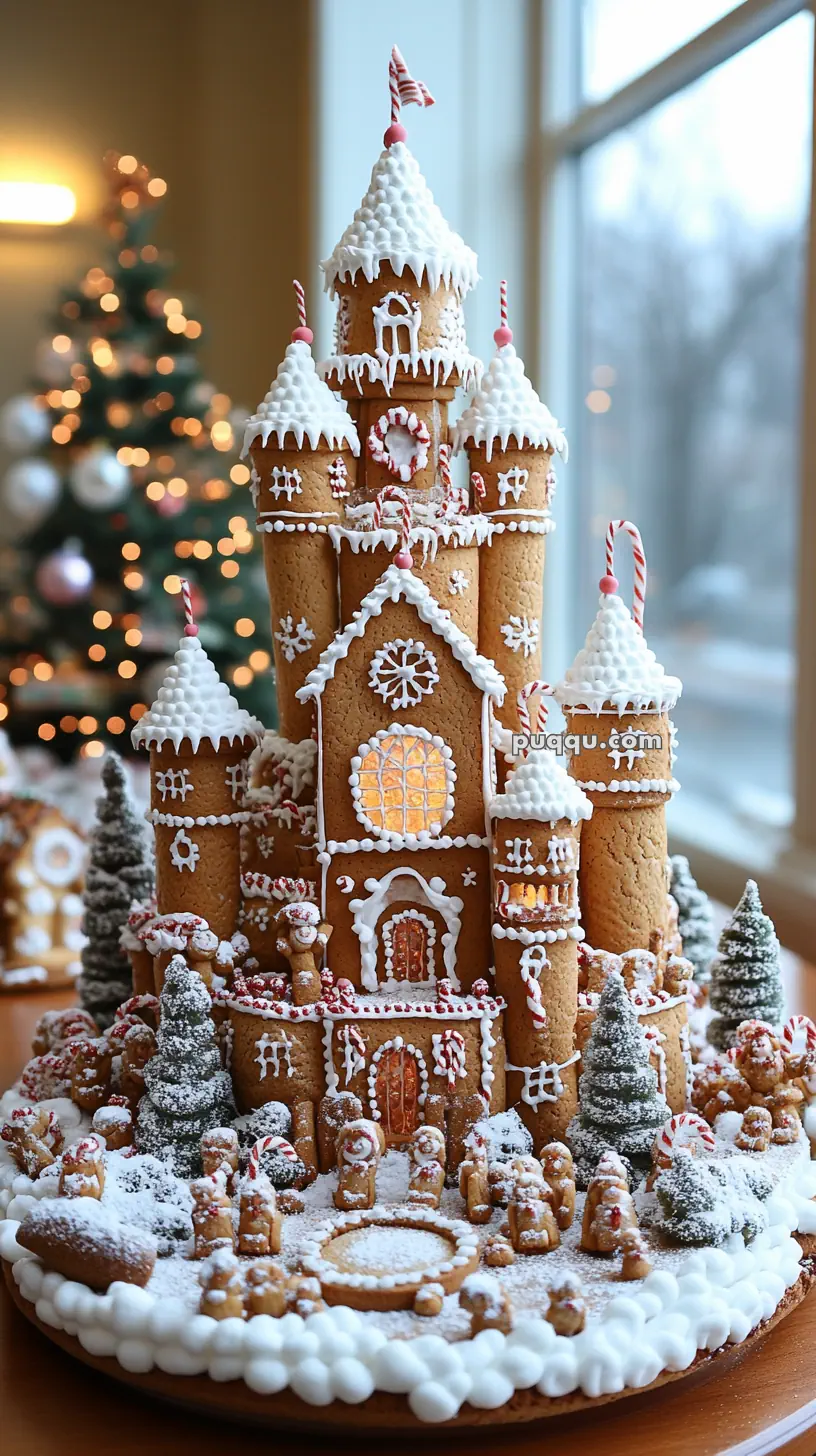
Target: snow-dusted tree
(621, 1106)
(693, 1207)
(120, 870)
(746, 981)
(695, 919)
(186, 1092)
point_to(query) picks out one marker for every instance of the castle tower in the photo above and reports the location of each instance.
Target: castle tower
(537, 822)
(510, 437)
(199, 741)
(617, 697)
(303, 442)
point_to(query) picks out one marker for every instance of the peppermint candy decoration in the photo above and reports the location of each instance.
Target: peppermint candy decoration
(267, 1145)
(793, 1027)
(685, 1130)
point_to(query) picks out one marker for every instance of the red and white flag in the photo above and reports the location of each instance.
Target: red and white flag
(404, 89)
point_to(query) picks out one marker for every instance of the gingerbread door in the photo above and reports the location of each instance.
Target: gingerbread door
(410, 950)
(397, 1092)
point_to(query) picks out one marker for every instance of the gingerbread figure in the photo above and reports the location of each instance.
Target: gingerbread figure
(473, 1182)
(222, 1292)
(212, 1215)
(91, 1073)
(530, 1217)
(304, 1295)
(719, 1087)
(302, 939)
(82, 1174)
(785, 1105)
(758, 1055)
(427, 1180)
(259, 1218)
(558, 1172)
(114, 1123)
(609, 1210)
(487, 1304)
(219, 1150)
(138, 1047)
(635, 1261)
(567, 1307)
(499, 1252)
(359, 1149)
(429, 1299)
(34, 1137)
(755, 1134)
(265, 1289)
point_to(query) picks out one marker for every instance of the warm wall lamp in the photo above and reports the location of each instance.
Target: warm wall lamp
(37, 204)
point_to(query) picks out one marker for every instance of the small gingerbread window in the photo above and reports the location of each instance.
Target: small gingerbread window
(399, 440)
(402, 783)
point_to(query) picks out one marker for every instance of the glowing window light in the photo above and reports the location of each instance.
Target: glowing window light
(44, 203)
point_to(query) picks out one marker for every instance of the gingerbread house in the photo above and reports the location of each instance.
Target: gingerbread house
(42, 862)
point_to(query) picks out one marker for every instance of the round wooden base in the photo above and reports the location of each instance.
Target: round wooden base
(381, 1412)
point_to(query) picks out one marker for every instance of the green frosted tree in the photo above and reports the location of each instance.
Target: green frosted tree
(746, 980)
(695, 919)
(120, 870)
(621, 1105)
(186, 1091)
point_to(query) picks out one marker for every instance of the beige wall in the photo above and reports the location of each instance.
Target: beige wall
(215, 97)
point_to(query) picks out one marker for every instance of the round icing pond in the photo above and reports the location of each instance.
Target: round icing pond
(380, 1258)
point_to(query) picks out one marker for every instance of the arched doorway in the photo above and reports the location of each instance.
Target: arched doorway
(408, 940)
(397, 1090)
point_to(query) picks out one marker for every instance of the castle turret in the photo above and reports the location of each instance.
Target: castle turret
(303, 442)
(617, 697)
(510, 438)
(537, 823)
(199, 741)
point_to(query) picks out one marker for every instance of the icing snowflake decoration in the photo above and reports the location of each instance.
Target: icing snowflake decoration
(294, 638)
(521, 634)
(468, 876)
(285, 482)
(512, 483)
(403, 672)
(184, 852)
(458, 583)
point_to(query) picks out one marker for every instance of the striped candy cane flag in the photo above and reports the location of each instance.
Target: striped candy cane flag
(404, 89)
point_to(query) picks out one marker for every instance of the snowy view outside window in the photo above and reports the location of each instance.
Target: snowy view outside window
(692, 259)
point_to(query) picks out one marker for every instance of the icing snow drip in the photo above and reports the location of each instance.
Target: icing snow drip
(616, 666)
(507, 407)
(194, 705)
(539, 788)
(399, 223)
(298, 403)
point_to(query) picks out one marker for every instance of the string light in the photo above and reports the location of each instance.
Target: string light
(60, 434)
(242, 677)
(221, 435)
(109, 302)
(71, 398)
(177, 486)
(133, 580)
(177, 323)
(133, 637)
(43, 671)
(68, 724)
(164, 364)
(237, 523)
(215, 489)
(155, 490)
(61, 344)
(116, 725)
(141, 456)
(127, 164)
(3, 712)
(243, 540)
(183, 549)
(127, 668)
(226, 546)
(192, 426)
(245, 626)
(87, 725)
(239, 475)
(18, 676)
(202, 550)
(229, 568)
(138, 711)
(131, 551)
(94, 749)
(97, 652)
(259, 661)
(172, 305)
(46, 731)
(172, 585)
(598, 401)
(157, 187)
(102, 620)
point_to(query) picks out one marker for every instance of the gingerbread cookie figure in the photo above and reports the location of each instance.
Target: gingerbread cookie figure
(785, 1106)
(530, 1217)
(358, 1154)
(259, 1218)
(302, 939)
(499, 1252)
(82, 1174)
(114, 1123)
(635, 1261)
(34, 1138)
(613, 1214)
(91, 1074)
(138, 1047)
(487, 1304)
(718, 1087)
(474, 1186)
(567, 1307)
(266, 1288)
(427, 1180)
(212, 1215)
(755, 1134)
(219, 1151)
(559, 1174)
(758, 1055)
(222, 1291)
(609, 1173)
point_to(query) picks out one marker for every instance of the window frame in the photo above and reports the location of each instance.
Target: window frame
(568, 127)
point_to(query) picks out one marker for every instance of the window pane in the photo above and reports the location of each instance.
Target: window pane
(693, 254)
(623, 38)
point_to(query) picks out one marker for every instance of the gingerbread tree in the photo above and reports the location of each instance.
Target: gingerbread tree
(120, 871)
(746, 981)
(186, 1092)
(695, 919)
(621, 1103)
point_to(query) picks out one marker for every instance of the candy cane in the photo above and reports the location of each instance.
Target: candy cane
(302, 333)
(190, 628)
(392, 492)
(265, 1145)
(479, 487)
(532, 985)
(503, 334)
(522, 699)
(609, 583)
(799, 1023)
(684, 1130)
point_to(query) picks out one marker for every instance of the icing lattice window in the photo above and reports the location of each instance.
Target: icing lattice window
(403, 672)
(402, 782)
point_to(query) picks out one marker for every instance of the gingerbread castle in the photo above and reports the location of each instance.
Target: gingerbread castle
(387, 828)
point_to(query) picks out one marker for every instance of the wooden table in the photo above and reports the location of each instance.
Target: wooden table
(50, 1405)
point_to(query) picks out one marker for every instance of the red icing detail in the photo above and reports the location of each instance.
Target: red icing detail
(609, 585)
(502, 335)
(404, 560)
(395, 133)
(302, 334)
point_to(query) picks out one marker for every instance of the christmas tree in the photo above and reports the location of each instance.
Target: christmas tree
(120, 870)
(695, 919)
(746, 980)
(126, 483)
(621, 1103)
(186, 1092)
(693, 1208)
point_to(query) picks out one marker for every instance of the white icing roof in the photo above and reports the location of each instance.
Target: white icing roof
(506, 406)
(540, 788)
(394, 583)
(399, 223)
(298, 402)
(194, 705)
(615, 665)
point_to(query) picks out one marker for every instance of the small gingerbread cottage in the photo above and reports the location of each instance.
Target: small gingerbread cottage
(42, 864)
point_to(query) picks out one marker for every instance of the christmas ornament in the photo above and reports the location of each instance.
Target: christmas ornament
(99, 480)
(30, 489)
(23, 423)
(54, 366)
(171, 505)
(64, 577)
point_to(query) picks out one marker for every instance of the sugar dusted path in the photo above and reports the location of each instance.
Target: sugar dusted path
(53, 1406)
